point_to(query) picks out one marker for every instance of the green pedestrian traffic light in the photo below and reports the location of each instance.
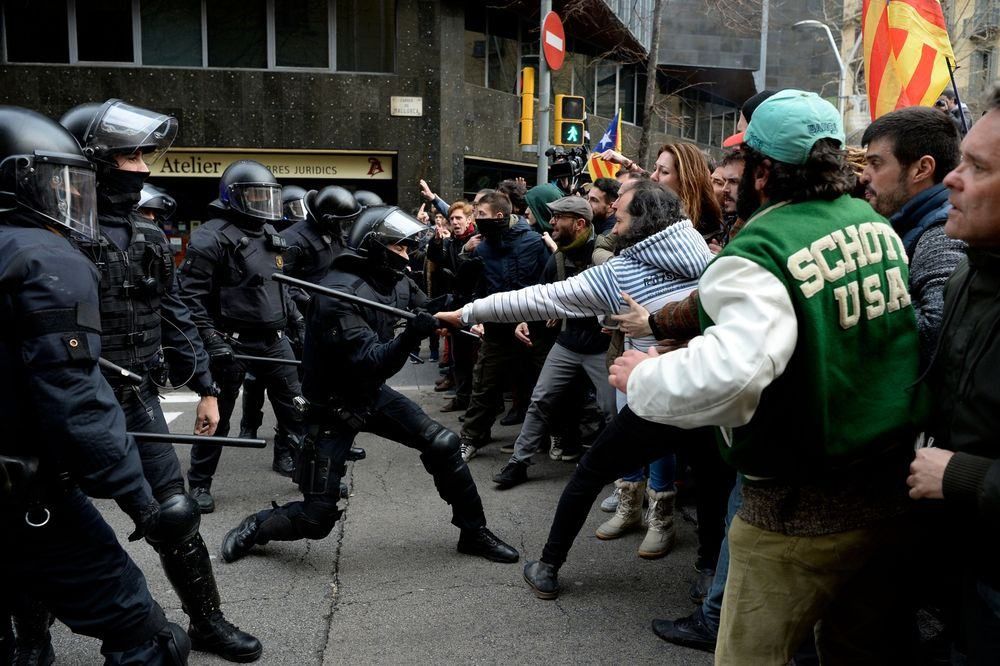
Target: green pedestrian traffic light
(570, 112)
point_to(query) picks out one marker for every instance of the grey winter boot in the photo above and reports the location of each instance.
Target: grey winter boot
(628, 515)
(661, 534)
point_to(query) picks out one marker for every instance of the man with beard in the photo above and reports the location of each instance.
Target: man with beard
(601, 197)
(910, 151)
(730, 171)
(580, 346)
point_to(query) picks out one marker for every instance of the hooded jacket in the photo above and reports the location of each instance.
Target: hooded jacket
(662, 268)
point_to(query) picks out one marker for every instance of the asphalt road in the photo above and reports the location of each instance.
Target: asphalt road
(388, 587)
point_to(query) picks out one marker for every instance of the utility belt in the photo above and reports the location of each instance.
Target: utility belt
(24, 489)
(334, 415)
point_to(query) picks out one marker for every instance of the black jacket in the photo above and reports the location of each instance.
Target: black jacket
(514, 261)
(963, 376)
(54, 403)
(582, 336)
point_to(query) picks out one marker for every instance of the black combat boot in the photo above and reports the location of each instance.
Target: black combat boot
(286, 451)
(34, 643)
(483, 543)
(189, 570)
(238, 541)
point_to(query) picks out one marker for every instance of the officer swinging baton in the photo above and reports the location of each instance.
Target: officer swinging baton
(170, 438)
(351, 298)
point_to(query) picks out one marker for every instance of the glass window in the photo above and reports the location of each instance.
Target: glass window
(302, 33)
(36, 31)
(104, 30)
(626, 95)
(475, 48)
(366, 35)
(171, 32)
(606, 81)
(237, 33)
(503, 59)
(583, 77)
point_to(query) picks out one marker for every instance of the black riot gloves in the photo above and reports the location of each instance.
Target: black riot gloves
(422, 325)
(219, 351)
(145, 515)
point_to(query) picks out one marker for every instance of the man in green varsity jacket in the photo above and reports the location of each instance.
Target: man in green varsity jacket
(808, 349)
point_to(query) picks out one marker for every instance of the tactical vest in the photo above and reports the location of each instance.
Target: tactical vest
(132, 283)
(381, 322)
(310, 253)
(248, 298)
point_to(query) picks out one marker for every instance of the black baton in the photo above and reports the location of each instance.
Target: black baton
(170, 438)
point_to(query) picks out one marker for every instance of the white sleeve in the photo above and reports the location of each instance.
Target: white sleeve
(582, 295)
(718, 379)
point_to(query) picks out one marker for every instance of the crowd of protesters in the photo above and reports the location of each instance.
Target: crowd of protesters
(803, 331)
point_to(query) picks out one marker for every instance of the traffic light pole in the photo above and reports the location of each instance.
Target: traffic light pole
(544, 88)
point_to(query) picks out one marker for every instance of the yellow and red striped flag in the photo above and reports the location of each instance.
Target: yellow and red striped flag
(906, 44)
(597, 167)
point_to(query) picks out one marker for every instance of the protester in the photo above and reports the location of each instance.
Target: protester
(818, 535)
(959, 111)
(602, 195)
(962, 469)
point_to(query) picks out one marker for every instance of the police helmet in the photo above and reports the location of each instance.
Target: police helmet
(367, 198)
(250, 188)
(332, 207)
(378, 227)
(156, 199)
(292, 202)
(44, 175)
(116, 128)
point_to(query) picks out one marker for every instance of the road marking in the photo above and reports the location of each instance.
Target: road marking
(170, 416)
(182, 396)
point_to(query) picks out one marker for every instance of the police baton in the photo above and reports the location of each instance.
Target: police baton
(170, 438)
(130, 377)
(265, 359)
(351, 298)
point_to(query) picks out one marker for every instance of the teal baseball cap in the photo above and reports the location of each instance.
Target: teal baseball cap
(787, 125)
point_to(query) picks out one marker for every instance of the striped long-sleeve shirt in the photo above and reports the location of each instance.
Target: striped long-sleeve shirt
(662, 268)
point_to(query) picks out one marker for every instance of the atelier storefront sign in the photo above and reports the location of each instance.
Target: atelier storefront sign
(195, 163)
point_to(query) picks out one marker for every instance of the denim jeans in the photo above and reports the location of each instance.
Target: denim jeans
(711, 608)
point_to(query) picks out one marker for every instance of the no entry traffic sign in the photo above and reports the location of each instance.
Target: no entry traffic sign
(553, 41)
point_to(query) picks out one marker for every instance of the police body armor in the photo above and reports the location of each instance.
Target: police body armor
(310, 252)
(247, 298)
(132, 282)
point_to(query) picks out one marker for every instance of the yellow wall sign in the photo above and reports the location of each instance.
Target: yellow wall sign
(285, 165)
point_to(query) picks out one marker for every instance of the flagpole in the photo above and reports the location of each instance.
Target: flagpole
(958, 100)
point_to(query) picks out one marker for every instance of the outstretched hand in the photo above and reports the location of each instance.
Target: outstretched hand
(623, 366)
(635, 322)
(425, 191)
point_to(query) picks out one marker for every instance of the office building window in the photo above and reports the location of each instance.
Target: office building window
(104, 31)
(475, 48)
(302, 33)
(171, 32)
(366, 35)
(36, 30)
(237, 33)
(606, 101)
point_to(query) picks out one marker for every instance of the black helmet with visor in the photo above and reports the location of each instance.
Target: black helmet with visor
(249, 188)
(116, 128)
(44, 178)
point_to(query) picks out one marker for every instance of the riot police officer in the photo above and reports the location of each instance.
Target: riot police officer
(64, 432)
(293, 206)
(226, 282)
(140, 311)
(349, 354)
(156, 204)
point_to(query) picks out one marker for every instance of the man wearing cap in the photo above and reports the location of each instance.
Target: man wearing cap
(580, 345)
(808, 345)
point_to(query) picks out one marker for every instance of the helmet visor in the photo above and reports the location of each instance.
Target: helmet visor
(262, 200)
(124, 128)
(398, 228)
(295, 210)
(65, 194)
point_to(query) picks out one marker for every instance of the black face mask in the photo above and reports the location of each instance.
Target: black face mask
(491, 227)
(120, 190)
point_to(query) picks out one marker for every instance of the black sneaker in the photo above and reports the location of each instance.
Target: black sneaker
(690, 631)
(238, 542)
(543, 578)
(203, 497)
(484, 543)
(512, 474)
(221, 637)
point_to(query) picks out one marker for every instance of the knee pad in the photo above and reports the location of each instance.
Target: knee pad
(179, 520)
(175, 643)
(440, 442)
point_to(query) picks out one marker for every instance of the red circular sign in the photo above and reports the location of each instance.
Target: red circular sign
(553, 41)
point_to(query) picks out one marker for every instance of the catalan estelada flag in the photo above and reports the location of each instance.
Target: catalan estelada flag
(906, 44)
(598, 168)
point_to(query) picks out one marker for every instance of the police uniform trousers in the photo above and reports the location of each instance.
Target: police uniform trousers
(75, 567)
(281, 382)
(321, 466)
(143, 413)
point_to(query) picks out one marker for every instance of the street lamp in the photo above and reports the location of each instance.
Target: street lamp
(841, 96)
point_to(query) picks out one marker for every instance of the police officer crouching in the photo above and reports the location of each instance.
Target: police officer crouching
(64, 433)
(225, 280)
(350, 352)
(141, 310)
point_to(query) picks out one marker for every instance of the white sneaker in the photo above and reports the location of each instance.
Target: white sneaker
(468, 452)
(610, 503)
